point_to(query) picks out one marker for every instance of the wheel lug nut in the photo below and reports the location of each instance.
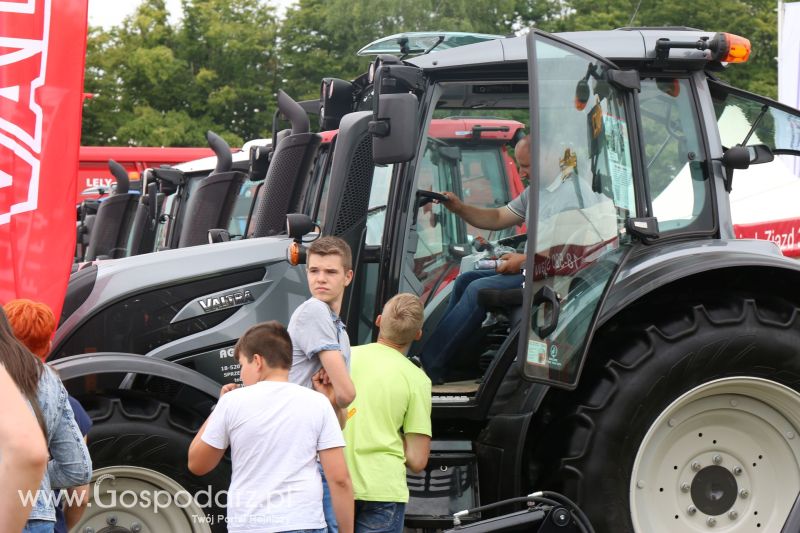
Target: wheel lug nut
(691, 509)
(696, 466)
(711, 521)
(737, 470)
(717, 459)
(684, 487)
(744, 493)
(733, 515)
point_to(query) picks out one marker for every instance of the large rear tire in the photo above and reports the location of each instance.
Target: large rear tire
(692, 422)
(141, 481)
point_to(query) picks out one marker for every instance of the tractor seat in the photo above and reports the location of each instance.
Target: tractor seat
(502, 305)
(500, 298)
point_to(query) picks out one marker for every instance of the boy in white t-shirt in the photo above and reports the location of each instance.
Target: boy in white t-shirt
(275, 430)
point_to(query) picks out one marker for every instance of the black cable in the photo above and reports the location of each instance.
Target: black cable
(569, 503)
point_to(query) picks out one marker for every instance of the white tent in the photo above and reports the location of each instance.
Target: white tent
(765, 203)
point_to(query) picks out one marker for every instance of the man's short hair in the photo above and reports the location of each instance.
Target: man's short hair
(33, 324)
(270, 340)
(333, 246)
(401, 319)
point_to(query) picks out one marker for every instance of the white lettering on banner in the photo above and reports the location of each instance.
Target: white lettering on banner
(27, 7)
(99, 182)
(23, 69)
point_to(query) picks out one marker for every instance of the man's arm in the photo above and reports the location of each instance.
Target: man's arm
(512, 264)
(322, 384)
(78, 502)
(417, 449)
(79, 498)
(24, 453)
(203, 458)
(491, 218)
(335, 468)
(343, 389)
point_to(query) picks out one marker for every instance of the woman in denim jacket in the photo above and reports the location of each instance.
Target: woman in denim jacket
(69, 463)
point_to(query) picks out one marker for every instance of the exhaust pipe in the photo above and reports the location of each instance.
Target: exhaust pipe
(119, 172)
(222, 151)
(294, 112)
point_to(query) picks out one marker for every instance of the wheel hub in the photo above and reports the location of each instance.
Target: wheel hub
(714, 490)
(724, 455)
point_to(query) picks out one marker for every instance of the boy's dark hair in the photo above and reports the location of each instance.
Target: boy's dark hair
(270, 340)
(333, 246)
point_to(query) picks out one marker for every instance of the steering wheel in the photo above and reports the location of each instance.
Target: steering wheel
(426, 197)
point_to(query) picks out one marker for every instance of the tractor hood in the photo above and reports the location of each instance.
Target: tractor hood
(222, 284)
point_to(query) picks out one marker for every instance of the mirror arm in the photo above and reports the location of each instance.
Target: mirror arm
(728, 179)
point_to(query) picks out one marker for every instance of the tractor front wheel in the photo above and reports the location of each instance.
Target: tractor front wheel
(692, 422)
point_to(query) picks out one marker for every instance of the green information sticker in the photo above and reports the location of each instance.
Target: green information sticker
(537, 353)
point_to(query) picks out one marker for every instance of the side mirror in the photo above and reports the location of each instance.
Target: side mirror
(259, 162)
(735, 157)
(218, 235)
(298, 224)
(453, 153)
(335, 101)
(394, 130)
(760, 153)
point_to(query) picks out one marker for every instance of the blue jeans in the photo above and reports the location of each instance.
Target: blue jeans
(462, 316)
(327, 504)
(379, 517)
(38, 526)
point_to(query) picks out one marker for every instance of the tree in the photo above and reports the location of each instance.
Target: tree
(755, 20)
(320, 38)
(159, 84)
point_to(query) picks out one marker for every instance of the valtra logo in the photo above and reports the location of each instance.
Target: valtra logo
(23, 66)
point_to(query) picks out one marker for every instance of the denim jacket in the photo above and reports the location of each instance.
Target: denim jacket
(70, 464)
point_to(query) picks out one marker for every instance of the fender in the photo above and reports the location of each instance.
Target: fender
(649, 267)
(77, 366)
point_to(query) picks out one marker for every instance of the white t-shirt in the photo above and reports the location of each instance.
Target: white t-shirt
(275, 430)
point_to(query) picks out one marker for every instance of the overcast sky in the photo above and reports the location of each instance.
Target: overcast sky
(109, 13)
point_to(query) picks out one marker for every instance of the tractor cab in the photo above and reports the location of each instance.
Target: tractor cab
(619, 122)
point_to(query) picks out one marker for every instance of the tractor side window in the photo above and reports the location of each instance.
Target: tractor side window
(476, 166)
(437, 228)
(241, 208)
(378, 198)
(673, 153)
(763, 197)
(485, 183)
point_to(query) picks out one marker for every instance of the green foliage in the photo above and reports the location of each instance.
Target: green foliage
(754, 19)
(160, 83)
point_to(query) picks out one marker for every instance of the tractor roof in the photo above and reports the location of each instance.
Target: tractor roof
(623, 45)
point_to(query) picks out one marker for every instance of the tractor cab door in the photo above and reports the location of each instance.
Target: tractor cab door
(580, 198)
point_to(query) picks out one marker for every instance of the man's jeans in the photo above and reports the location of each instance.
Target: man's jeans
(327, 504)
(379, 517)
(38, 526)
(462, 316)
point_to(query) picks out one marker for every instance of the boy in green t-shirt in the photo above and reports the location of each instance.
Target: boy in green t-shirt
(392, 393)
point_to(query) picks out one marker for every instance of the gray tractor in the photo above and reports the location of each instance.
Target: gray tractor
(649, 367)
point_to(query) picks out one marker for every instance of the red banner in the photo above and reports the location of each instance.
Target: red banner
(42, 52)
(784, 233)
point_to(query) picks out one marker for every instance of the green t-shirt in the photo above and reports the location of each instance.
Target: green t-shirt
(393, 397)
